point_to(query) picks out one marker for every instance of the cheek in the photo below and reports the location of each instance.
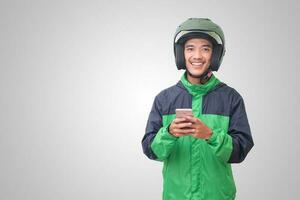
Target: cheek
(187, 56)
(209, 56)
(186, 60)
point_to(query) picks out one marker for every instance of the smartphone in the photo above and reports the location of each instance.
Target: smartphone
(183, 112)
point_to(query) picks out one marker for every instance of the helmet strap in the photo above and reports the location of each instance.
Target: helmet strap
(205, 76)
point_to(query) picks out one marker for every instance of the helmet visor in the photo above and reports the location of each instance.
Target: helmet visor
(215, 36)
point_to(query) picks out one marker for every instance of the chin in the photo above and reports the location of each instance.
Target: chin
(195, 74)
(197, 71)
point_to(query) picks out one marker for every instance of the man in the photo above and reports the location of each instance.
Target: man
(198, 151)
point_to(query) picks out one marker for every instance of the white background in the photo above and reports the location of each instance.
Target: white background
(78, 78)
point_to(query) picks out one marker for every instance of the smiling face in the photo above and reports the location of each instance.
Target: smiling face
(197, 54)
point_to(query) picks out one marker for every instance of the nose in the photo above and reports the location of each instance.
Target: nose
(198, 54)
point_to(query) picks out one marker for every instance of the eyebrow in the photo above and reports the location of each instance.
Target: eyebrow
(191, 45)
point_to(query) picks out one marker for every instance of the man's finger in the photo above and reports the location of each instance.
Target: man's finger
(194, 120)
(185, 131)
(179, 135)
(179, 120)
(191, 119)
(184, 125)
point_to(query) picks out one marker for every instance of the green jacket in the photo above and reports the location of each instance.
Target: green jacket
(194, 168)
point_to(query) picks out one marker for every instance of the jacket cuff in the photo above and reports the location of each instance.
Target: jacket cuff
(163, 143)
(212, 138)
(167, 135)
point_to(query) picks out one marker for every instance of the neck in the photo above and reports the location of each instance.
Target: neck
(195, 80)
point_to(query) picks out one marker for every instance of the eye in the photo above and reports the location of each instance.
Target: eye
(189, 49)
(206, 49)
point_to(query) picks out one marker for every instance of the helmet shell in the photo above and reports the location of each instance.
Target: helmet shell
(199, 28)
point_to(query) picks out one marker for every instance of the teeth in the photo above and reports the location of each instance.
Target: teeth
(198, 64)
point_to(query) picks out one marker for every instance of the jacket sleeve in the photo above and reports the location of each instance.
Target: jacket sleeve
(221, 144)
(240, 132)
(233, 147)
(157, 142)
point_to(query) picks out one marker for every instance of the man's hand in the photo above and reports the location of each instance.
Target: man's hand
(201, 130)
(181, 127)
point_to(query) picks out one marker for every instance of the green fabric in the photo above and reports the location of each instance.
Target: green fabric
(196, 168)
(199, 89)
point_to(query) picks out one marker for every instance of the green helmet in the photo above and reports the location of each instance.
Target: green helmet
(199, 28)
